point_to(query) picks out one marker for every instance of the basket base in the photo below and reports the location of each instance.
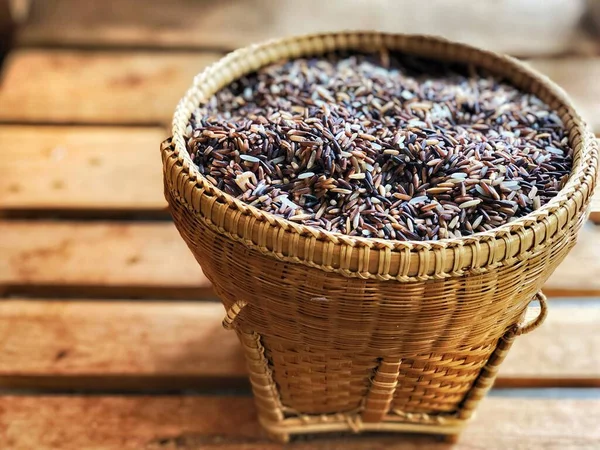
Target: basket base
(283, 430)
(284, 438)
(280, 422)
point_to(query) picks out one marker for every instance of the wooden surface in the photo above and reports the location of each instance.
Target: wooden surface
(230, 423)
(537, 27)
(115, 259)
(81, 170)
(117, 344)
(579, 78)
(563, 352)
(122, 88)
(101, 298)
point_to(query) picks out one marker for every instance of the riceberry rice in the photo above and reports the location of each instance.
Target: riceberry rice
(386, 146)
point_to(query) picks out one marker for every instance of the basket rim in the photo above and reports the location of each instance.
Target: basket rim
(237, 63)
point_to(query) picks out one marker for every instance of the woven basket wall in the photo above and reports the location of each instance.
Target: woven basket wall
(347, 333)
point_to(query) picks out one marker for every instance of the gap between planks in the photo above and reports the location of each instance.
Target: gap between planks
(217, 422)
(142, 346)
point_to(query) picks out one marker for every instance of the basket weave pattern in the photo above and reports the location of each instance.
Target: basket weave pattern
(350, 333)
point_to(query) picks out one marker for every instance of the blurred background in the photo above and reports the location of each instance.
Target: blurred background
(100, 300)
(519, 27)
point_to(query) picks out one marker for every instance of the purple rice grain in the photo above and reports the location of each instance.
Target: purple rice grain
(387, 146)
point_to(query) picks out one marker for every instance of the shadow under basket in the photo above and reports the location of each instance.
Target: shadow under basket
(357, 334)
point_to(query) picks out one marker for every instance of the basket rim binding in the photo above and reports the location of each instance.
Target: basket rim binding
(450, 258)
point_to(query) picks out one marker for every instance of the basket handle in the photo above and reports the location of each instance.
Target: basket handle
(232, 314)
(527, 326)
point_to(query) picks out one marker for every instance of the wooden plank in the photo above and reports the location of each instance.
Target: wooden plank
(576, 276)
(85, 172)
(120, 345)
(230, 423)
(106, 259)
(96, 87)
(536, 26)
(81, 170)
(150, 259)
(564, 351)
(137, 346)
(579, 78)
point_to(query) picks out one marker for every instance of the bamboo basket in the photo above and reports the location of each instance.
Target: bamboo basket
(358, 334)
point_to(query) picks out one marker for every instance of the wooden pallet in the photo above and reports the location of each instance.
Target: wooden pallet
(110, 335)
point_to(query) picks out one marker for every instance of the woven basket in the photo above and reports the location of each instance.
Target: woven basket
(349, 333)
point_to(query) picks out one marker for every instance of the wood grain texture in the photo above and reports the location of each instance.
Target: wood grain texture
(117, 345)
(98, 258)
(564, 351)
(125, 259)
(230, 423)
(536, 26)
(137, 346)
(81, 170)
(96, 87)
(576, 276)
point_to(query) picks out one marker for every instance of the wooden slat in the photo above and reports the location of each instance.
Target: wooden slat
(536, 27)
(96, 345)
(579, 78)
(124, 345)
(564, 351)
(81, 170)
(96, 87)
(150, 259)
(85, 171)
(106, 259)
(575, 276)
(230, 423)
